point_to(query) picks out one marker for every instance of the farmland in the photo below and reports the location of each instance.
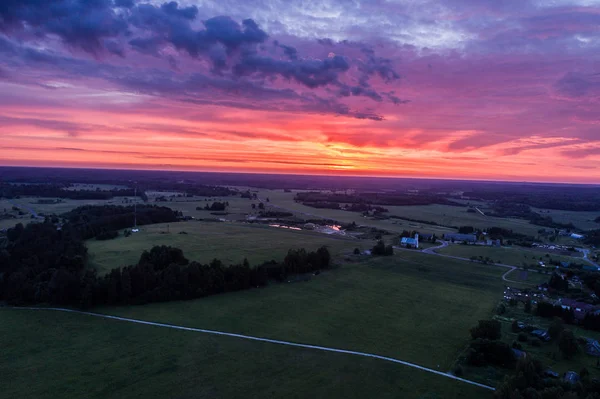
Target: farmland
(79, 356)
(203, 241)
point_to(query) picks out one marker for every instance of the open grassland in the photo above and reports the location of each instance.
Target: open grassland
(530, 277)
(55, 355)
(286, 201)
(582, 220)
(458, 216)
(411, 306)
(237, 210)
(443, 215)
(204, 241)
(515, 256)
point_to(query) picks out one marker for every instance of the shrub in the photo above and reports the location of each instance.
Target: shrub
(515, 326)
(535, 342)
(523, 337)
(488, 329)
(568, 344)
(458, 370)
(556, 327)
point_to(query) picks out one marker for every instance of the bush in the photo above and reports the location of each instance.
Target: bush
(488, 329)
(356, 251)
(515, 326)
(523, 337)
(516, 345)
(556, 327)
(568, 344)
(458, 370)
(380, 249)
(535, 342)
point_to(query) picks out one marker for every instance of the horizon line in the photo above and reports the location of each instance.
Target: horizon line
(304, 175)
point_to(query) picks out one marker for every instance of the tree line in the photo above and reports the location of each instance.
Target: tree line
(40, 264)
(102, 221)
(60, 191)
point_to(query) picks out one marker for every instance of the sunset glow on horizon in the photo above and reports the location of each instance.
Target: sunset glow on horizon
(453, 89)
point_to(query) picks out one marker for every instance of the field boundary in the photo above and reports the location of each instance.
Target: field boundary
(273, 341)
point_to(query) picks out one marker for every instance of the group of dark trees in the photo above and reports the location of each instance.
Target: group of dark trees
(40, 264)
(486, 347)
(275, 214)
(364, 208)
(571, 198)
(91, 221)
(380, 249)
(248, 194)
(60, 191)
(334, 200)
(215, 206)
(592, 237)
(530, 381)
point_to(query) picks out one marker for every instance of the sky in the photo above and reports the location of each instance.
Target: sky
(469, 89)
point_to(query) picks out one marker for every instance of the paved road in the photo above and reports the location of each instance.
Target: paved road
(272, 341)
(586, 253)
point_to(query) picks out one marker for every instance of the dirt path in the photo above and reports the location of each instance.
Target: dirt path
(431, 251)
(272, 341)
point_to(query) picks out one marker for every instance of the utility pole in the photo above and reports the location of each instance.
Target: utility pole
(135, 208)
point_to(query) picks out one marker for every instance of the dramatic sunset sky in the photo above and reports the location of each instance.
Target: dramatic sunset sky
(480, 89)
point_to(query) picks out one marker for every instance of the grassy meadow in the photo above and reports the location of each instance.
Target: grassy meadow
(204, 241)
(52, 355)
(508, 255)
(412, 306)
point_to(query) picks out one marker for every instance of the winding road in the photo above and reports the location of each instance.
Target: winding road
(443, 244)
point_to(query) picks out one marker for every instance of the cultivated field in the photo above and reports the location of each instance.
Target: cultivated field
(56, 355)
(204, 241)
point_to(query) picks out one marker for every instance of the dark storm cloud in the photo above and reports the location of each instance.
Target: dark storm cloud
(235, 51)
(79, 23)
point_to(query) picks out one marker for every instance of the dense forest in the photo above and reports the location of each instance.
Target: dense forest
(90, 221)
(505, 208)
(60, 191)
(42, 264)
(568, 198)
(359, 202)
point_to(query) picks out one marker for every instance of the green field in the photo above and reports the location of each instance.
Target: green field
(229, 242)
(531, 277)
(286, 201)
(508, 255)
(458, 216)
(56, 355)
(412, 306)
(582, 220)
